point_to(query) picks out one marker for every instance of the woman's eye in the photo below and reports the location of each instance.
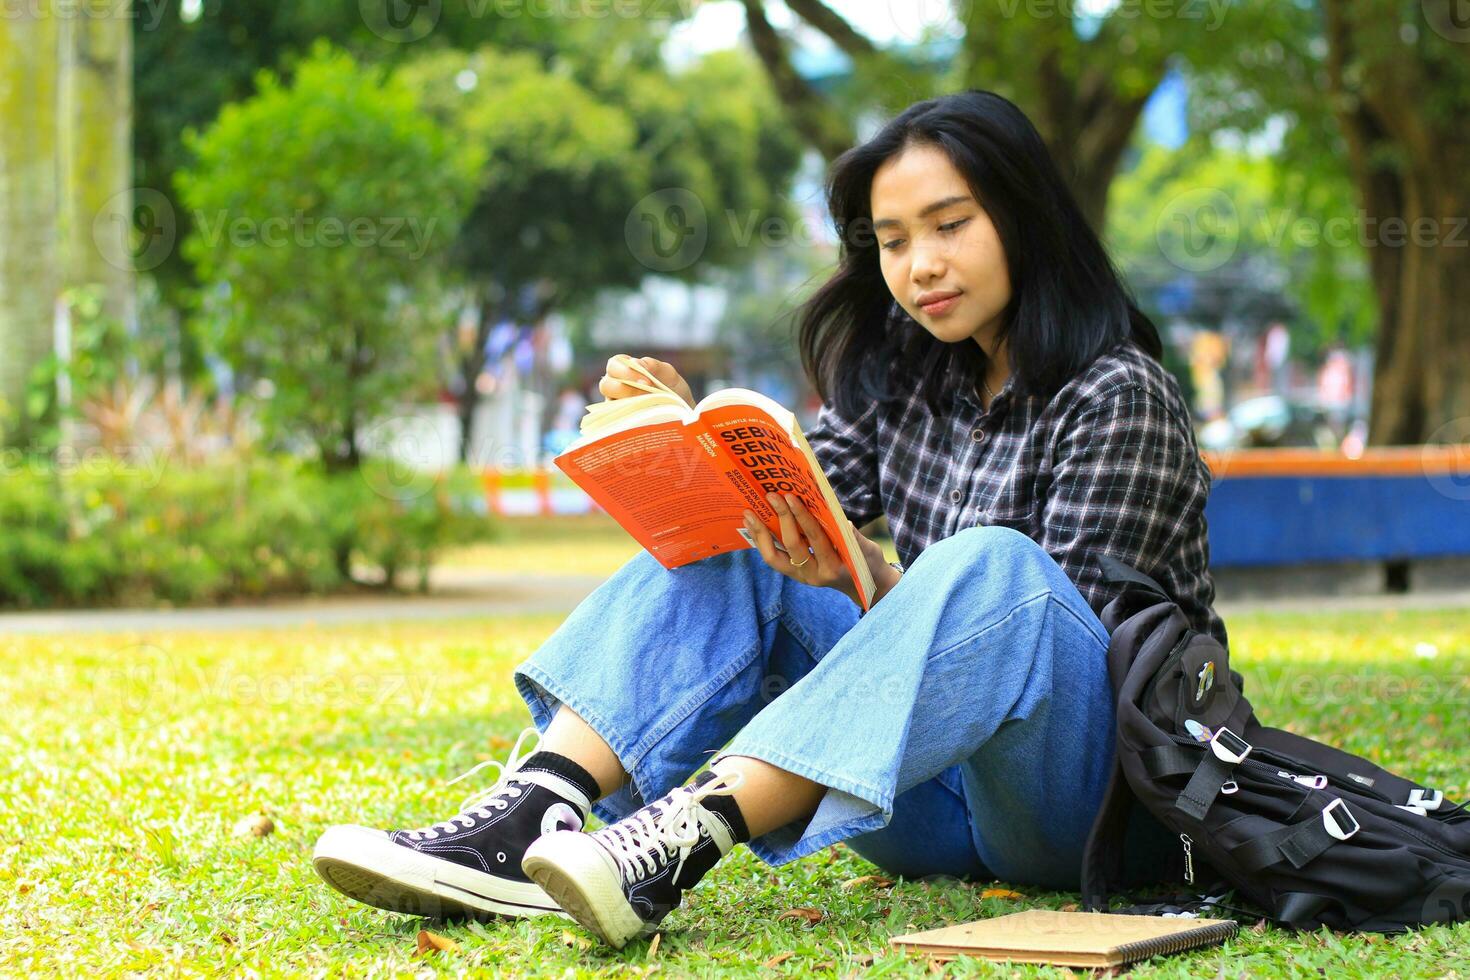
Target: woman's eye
(953, 225)
(890, 246)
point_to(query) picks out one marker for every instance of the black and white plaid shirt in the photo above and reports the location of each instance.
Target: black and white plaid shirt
(1107, 465)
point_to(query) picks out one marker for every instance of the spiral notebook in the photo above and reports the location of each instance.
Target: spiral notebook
(1096, 939)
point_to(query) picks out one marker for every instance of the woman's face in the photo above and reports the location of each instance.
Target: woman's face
(928, 252)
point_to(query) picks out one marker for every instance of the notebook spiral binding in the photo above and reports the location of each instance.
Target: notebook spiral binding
(1165, 945)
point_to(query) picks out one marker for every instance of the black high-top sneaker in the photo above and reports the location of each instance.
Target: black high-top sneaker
(622, 880)
(468, 866)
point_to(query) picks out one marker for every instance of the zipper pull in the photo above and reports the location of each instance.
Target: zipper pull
(1188, 859)
(1315, 781)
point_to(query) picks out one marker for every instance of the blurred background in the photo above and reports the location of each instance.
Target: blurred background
(304, 297)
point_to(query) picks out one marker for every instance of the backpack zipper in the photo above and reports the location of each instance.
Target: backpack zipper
(1272, 771)
(1175, 655)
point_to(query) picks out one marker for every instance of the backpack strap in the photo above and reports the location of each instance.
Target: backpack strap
(1299, 843)
(1118, 573)
(1102, 857)
(1226, 751)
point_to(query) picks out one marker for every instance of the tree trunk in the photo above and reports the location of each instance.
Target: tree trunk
(1412, 171)
(1421, 392)
(97, 155)
(65, 204)
(29, 245)
(471, 364)
(808, 111)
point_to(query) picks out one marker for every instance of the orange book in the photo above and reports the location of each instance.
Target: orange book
(678, 478)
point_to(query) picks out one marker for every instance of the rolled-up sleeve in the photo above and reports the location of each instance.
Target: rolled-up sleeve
(1127, 480)
(847, 448)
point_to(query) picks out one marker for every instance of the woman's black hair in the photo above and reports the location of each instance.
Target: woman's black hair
(1068, 303)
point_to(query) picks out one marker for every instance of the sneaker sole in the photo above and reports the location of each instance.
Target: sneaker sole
(366, 866)
(575, 872)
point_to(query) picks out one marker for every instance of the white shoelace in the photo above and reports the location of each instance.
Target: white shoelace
(640, 843)
(482, 804)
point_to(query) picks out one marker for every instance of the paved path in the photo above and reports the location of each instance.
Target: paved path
(461, 594)
(477, 595)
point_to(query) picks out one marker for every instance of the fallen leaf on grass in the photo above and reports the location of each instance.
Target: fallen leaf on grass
(255, 825)
(810, 916)
(1000, 893)
(777, 960)
(430, 942)
(869, 881)
(658, 937)
(1069, 907)
(572, 939)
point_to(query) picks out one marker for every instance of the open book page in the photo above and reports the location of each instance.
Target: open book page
(678, 478)
(647, 462)
(665, 485)
(769, 451)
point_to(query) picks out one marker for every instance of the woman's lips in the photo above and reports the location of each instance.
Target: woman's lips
(941, 307)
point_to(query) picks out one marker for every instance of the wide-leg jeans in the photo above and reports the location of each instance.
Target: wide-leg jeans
(963, 725)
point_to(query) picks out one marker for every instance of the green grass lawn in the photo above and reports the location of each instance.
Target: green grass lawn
(129, 761)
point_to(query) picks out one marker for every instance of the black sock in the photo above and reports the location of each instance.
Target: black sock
(727, 808)
(565, 768)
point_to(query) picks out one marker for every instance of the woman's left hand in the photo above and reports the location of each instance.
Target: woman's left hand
(804, 537)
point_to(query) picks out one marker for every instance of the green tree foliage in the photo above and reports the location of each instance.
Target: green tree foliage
(1373, 94)
(600, 171)
(187, 69)
(320, 209)
(1083, 78)
(1240, 223)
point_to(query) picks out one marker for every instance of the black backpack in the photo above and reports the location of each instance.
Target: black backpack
(1311, 834)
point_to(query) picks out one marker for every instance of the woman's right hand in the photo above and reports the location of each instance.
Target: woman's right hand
(611, 386)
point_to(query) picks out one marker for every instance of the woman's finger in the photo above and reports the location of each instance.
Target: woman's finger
(762, 538)
(813, 532)
(791, 536)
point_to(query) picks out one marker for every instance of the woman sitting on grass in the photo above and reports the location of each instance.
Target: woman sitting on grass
(990, 387)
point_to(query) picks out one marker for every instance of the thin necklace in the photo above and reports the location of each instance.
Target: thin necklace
(988, 392)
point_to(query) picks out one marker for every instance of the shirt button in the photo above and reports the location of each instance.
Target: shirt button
(978, 435)
(955, 495)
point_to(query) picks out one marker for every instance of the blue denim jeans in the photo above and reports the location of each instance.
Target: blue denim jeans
(963, 726)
